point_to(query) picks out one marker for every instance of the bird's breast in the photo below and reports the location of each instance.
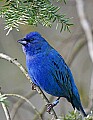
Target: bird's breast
(40, 70)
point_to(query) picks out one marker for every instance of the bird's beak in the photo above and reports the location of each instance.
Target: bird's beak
(22, 41)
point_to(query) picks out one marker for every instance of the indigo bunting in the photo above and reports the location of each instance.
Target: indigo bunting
(48, 70)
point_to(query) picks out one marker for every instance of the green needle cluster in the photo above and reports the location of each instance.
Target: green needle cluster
(33, 12)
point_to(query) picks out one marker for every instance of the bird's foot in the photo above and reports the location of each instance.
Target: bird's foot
(51, 105)
(33, 86)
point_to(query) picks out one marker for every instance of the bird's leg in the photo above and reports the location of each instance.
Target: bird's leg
(33, 86)
(51, 105)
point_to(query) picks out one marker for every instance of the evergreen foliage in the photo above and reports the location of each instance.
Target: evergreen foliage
(32, 12)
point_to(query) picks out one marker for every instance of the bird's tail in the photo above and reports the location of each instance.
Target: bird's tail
(77, 104)
(83, 112)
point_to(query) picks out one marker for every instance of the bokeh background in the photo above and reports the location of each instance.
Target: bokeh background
(13, 81)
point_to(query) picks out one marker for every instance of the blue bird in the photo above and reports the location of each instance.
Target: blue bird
(48, 70)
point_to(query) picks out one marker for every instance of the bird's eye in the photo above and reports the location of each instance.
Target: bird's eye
(28, 41)
(32, 39)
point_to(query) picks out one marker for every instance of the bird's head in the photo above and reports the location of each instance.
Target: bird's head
(33, 43)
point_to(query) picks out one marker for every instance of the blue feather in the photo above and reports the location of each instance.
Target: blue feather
(48, 70)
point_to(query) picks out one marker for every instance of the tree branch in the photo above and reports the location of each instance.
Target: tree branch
(7, 114)
(19, 103)
(75, 51)
(85, 25)
(43, 109)
(88, 32)
(19, 96)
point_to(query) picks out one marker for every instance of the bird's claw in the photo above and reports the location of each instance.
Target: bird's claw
(33, 86)
(49, 107)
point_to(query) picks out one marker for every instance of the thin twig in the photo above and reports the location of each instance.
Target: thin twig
(19, 103)
(6, 111)
(46, 101)
(85, 25)
(75, 51)
(20, 96)
(90, 105)
(88, 32)
(43, 109)
(14, 61)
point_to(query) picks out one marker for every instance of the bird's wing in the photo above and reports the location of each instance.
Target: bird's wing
(63, 77)
(61, 73)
